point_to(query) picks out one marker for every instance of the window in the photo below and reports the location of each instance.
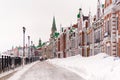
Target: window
(88, 39)
(115, 1)
(117, 23)
(80, 39)
(74, 34)
(86, 25)
(99, 35)
(109, 27)
(106, 26)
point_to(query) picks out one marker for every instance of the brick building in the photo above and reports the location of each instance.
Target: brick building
(111, 27)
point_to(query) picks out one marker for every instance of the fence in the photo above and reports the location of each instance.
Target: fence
(8, 62)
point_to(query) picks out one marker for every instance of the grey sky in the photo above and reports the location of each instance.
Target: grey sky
(36, 16)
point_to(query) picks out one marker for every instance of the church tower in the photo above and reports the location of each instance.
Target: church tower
(79, 19)
(53, 29)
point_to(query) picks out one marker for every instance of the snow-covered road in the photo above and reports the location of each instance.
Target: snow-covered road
(47, 71)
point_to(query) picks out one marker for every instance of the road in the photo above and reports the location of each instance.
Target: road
(47, 71)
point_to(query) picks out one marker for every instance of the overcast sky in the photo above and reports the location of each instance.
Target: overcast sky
(37, 16)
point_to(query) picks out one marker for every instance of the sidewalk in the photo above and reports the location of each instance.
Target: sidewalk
(6, 75)
(21, 71)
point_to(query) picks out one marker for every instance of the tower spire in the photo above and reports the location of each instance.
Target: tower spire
(40, 41)
(53, 26)
(79, 14)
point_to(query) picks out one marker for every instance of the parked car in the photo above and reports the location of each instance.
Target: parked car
(41, 58)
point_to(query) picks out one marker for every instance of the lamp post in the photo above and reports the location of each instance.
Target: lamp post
(32, 50)
(23, 61)
(29, 48)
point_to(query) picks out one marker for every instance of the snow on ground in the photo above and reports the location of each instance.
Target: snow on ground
(98, 67)
(21, 71)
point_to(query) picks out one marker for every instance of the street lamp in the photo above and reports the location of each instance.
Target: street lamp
(23, 61)
(29, 48)
(32, 50)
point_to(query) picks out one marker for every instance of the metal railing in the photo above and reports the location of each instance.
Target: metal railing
(7, 63)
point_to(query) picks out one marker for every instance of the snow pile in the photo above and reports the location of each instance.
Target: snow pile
(98, 67)
(19, 73)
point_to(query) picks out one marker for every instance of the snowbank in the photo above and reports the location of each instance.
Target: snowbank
(98, 67)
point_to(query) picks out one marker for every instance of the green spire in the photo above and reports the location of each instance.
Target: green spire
(78, 16)
(40, 43)
(53, 26)
(102, 5)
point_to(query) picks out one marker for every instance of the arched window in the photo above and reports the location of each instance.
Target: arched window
(86, 24)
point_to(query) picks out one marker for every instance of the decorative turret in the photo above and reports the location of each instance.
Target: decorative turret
(100, 9)
(79, 14)
(39, 41)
